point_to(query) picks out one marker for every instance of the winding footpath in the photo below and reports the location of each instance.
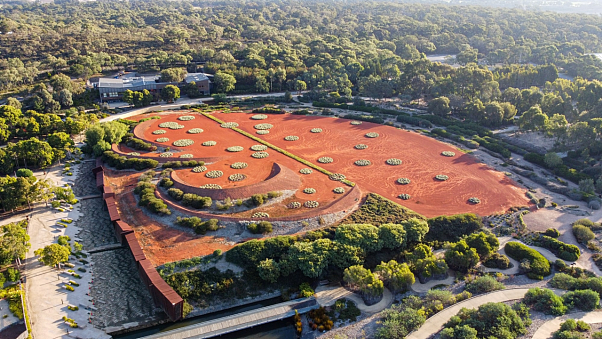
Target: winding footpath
(328, 295)
(549, 327)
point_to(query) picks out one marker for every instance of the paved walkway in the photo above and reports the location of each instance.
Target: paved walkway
(328, 295)
(435, 323)
(423, 288)
(545, 331)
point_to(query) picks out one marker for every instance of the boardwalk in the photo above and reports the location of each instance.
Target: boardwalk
(238, 321)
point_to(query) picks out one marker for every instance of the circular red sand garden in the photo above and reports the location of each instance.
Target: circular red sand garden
(358, 151)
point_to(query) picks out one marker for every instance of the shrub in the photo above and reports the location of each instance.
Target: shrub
(69, 288)
(258, 199)
(586, 300)
(198, 225)
(564, 251)
(175, 193)
(217, 252)
(452, 228)
(539, 265)
(263, 227)
(583, 233)
(196, 201)
(552, 233)
(484, 284)
(545, 300)
(497, 260)
(24, 173)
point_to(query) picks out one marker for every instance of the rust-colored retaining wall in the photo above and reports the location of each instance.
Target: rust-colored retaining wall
(281, 178)
(163, 295)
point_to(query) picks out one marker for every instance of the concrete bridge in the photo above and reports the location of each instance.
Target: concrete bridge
(239, 321)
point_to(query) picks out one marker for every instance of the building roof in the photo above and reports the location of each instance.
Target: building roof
(196, 77)
(125, 83)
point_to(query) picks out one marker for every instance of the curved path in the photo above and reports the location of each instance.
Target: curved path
(549, 327)
(423, 288)
(435, 323)
(328, 295)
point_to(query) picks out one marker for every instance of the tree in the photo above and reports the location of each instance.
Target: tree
(170, 93)
(461, 257)
(484, 244)
(363, 280)
(261, 84)
(65, 98)
(469, 55)
(459, 332)
(439, 106)
(552, 160)
(128, 96)
(490, 320)
(10, 101)
(268, 270)
(53, 254)
(300, 86)
(416, 230)
(173, 74)
(364, 236)
(311, 258)
(14, 242)
(94, 134)
(545, 300)
(587, 186)
(396, 276)
(60, 82)
(224, 82)
(494, 114)
(392, 236)
(113, 131)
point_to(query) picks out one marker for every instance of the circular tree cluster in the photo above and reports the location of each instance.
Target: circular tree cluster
(393, 162)
(235, 149)
(441, 177)
(214, 174)
(186, 156)
(259, 117)
(325, 160)
(183, 142)
(448, 153)
(171, 125)
(404, 196)
(263, 126)
(133, 153)
(361, 146)
(162, 140)
(339, 190)
(262, 132)
(166, 154)
(403, 181)
(199, 169)
(186, 118)
(260, 215)
(316, 130)
(229, 125)
(211, 186)
(372, 135)
(294, 204)
(239, 165)
(291, 138)
(195, 131)
(311, 204)
(259, 147)
(209, 143)
(474, 200)
(356, 122)
(159, 131)
(260, 155)
(336, 176)
(362, 162)
(237, 177)
(305, 171)
(309, 190)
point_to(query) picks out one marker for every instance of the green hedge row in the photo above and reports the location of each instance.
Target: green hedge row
(121, 162)
(540, 266)
(563, 171)
(562, 250)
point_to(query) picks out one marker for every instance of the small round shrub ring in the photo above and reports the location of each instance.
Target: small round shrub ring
(339, 190)
(259, 148)
(211, 186)
(262, 132)
(186, 156)
(404, 196)
(259, 117)
(260, 155)
(294, 204)
(448, 153)
(441, 177)
(183, 143)
(356, 123)
(393, 162)
(403, 181)
(209, 143)
(372, 135)
(263, 126)
(260, 215)
(186, 117)
(235, 149)
(325, 160)
(291, 138)
(360, 146)
(305, 171)
(362, 162)
(166, 154)
(195, 131)
(199, 169)
(162, 140)
(237, 177)
(311, 204)
(229, 125)
(474, 200)
(337, 177)
(316, 130)
(239, 165)
(309, 190)
(214, 174)
(159, 131)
